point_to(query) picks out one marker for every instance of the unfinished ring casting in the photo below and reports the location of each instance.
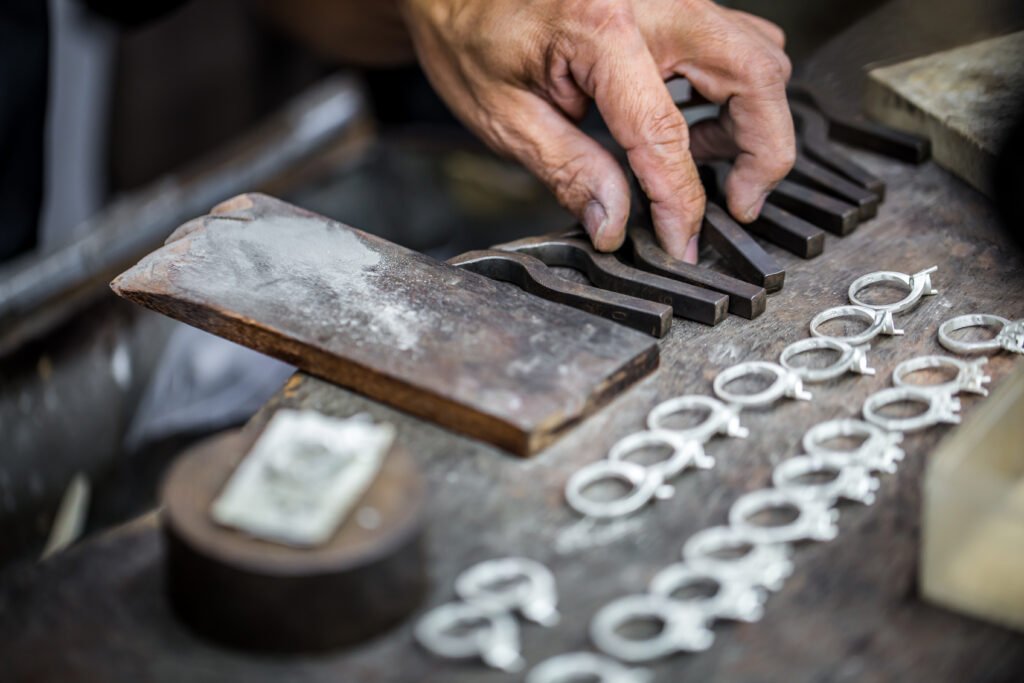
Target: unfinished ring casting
(879, 322)
(646, 484)
(1009, 335)
(576, 666)
(737, 600)
(493, 636)
(684, 628)
(786, 383)
(919, 284)
(941, 408)
(511, 583)
(852, 481)
(766, 565)
(685, 453)
(970, 375)
(851, 359)
(722, 419)
(815, 520)
(879, 451)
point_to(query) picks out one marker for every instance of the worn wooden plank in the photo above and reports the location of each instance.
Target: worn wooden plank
(477, 356)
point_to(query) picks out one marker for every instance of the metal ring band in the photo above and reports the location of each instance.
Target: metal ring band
(488, 585)
(941, 408)
(919, 285)
(572, 666)
(969, 376)
(852, 480)
(814, 522)
(721, 418)
(732, 600)
(777, 390)
(684, 452)
(879, 322)
(836, 369)
(968, 348)
(683, 629)
(499, 647)
(766, 565)
(646, 485)
(879, 451)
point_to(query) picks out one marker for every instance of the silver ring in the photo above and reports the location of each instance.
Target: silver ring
(970, 376)
(572, 666)
(851, 359)
(1009, 336)
(493, 584)
(684, 630)
(815, 520)
(853, 481)
(767, 565)
(736, 600)
(879, 322)
(941, 408)
(495, 640)
(786, 384)
(646, 484)
(722, 419)
(919, 284)
(880, 450)
(684, 452)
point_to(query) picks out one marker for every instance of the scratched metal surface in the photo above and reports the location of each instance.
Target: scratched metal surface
(850, 612)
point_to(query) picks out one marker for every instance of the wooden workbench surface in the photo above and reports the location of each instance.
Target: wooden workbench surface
(850, 612)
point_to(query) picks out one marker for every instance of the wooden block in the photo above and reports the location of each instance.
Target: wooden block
(963, 100)
(477, 356)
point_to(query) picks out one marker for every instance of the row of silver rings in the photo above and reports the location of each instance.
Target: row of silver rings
(748, 558)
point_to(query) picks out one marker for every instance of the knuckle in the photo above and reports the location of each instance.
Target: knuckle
(608, 18)
(764, 70)
(665, 128)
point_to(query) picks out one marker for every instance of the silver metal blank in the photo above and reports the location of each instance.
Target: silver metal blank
(684, 628)
(919, 284)
(941, 408)
(851, 359)
(786, 383)
(495, 639)
(646, 484)
(879, 322)
(685, 452)
(1009, 335)
(571, 667)
(511, 583)
(733, 599)
(970, 375)
(722, 418)
(766, 564)
(879, 451)
(852, 481)
(815, 520)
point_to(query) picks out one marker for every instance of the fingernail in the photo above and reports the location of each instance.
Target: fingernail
(755, 209)
(595, 218)
(690, 256)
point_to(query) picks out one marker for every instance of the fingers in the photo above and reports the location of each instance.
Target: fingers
(585, 177)
(748, 77)
(771, 31)
(619, 73)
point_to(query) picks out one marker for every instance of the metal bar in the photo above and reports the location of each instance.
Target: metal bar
(534, 277)
(740, 251)
(863, 134)
(745, 299)
(827, 212)
(790, 232)
(812, 174)
(813, 141)
(604, 270)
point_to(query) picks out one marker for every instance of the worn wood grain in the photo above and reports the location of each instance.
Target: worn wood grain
(477, 356)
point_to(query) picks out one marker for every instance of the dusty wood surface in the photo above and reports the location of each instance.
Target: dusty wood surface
(850, 613)
(964, 100)
(478, 356)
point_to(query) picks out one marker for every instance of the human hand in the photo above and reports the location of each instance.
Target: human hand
(521, 73)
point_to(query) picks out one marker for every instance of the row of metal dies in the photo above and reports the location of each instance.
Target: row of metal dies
(643, 287)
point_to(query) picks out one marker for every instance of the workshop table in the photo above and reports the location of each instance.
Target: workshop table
(849, 612)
